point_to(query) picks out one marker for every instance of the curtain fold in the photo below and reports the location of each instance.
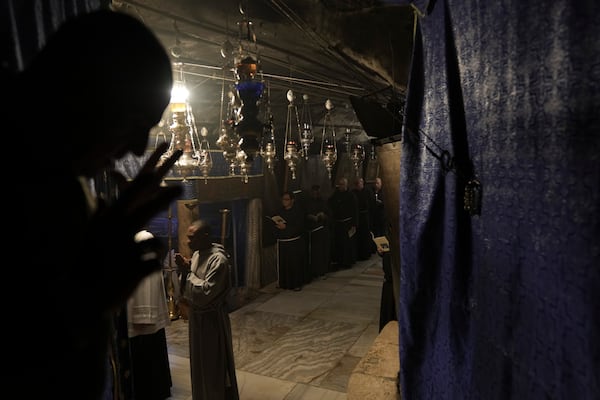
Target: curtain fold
(503, 304)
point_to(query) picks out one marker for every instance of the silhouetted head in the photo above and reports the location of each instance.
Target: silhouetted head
(102, 81)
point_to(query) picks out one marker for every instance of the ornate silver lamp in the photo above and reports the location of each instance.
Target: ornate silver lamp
(268, 150)
(357, 156)
(205, 159)
(184, 135)
(328, 145)
(291, 154)
(306, 135)
(228, 142)
(244, 164)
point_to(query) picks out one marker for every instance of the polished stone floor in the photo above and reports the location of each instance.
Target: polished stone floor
(296, 345)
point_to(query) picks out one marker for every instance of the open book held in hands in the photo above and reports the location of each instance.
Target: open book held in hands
(278, 219)
(382, 243)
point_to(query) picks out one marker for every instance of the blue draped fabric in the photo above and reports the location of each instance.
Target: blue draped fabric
(505, 304)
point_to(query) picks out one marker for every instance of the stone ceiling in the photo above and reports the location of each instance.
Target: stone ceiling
(326, 49)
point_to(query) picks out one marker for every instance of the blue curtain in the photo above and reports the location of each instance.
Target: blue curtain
(504, 304)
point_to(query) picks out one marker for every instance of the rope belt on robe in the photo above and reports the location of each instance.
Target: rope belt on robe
(316, 229)
(289, 240)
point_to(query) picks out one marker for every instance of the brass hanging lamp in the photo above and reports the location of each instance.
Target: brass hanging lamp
(328, 140)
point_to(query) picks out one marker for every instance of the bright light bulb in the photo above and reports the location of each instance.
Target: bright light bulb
(179, 96)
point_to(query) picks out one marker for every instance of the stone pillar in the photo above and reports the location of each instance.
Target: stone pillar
(254, 243)
(388, 156)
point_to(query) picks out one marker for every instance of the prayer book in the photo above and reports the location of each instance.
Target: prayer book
(382, 243)
(278, 219)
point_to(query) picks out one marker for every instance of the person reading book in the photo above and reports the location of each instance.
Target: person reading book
(278, 219)
(291, 248)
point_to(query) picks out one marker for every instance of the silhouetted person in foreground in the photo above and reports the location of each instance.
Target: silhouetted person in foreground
(206, 283)
(89, 97)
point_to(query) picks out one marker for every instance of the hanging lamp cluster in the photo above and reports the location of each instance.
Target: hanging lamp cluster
(241, 133)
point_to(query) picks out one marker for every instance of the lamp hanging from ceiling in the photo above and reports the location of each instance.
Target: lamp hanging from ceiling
(328, 140)
(184, 134)
(229, 144)
(357, 156)
(244, 164)
(268, 150)
(347, 140)
(249, 90)
(307, 136)
(356, 152)
(205, 159)
(292, 125)
(228, 140)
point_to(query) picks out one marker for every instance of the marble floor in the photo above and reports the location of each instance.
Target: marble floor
(296, 345)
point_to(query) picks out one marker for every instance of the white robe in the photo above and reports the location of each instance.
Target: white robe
(147, 309)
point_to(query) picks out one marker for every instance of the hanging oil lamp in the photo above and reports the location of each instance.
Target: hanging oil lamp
(228, 142)
(268, 149)
(291, 155)
(357, 156)
(205, 159)
(306, 135)
(328, 144)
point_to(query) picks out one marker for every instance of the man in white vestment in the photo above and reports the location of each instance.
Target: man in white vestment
(147, 318)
